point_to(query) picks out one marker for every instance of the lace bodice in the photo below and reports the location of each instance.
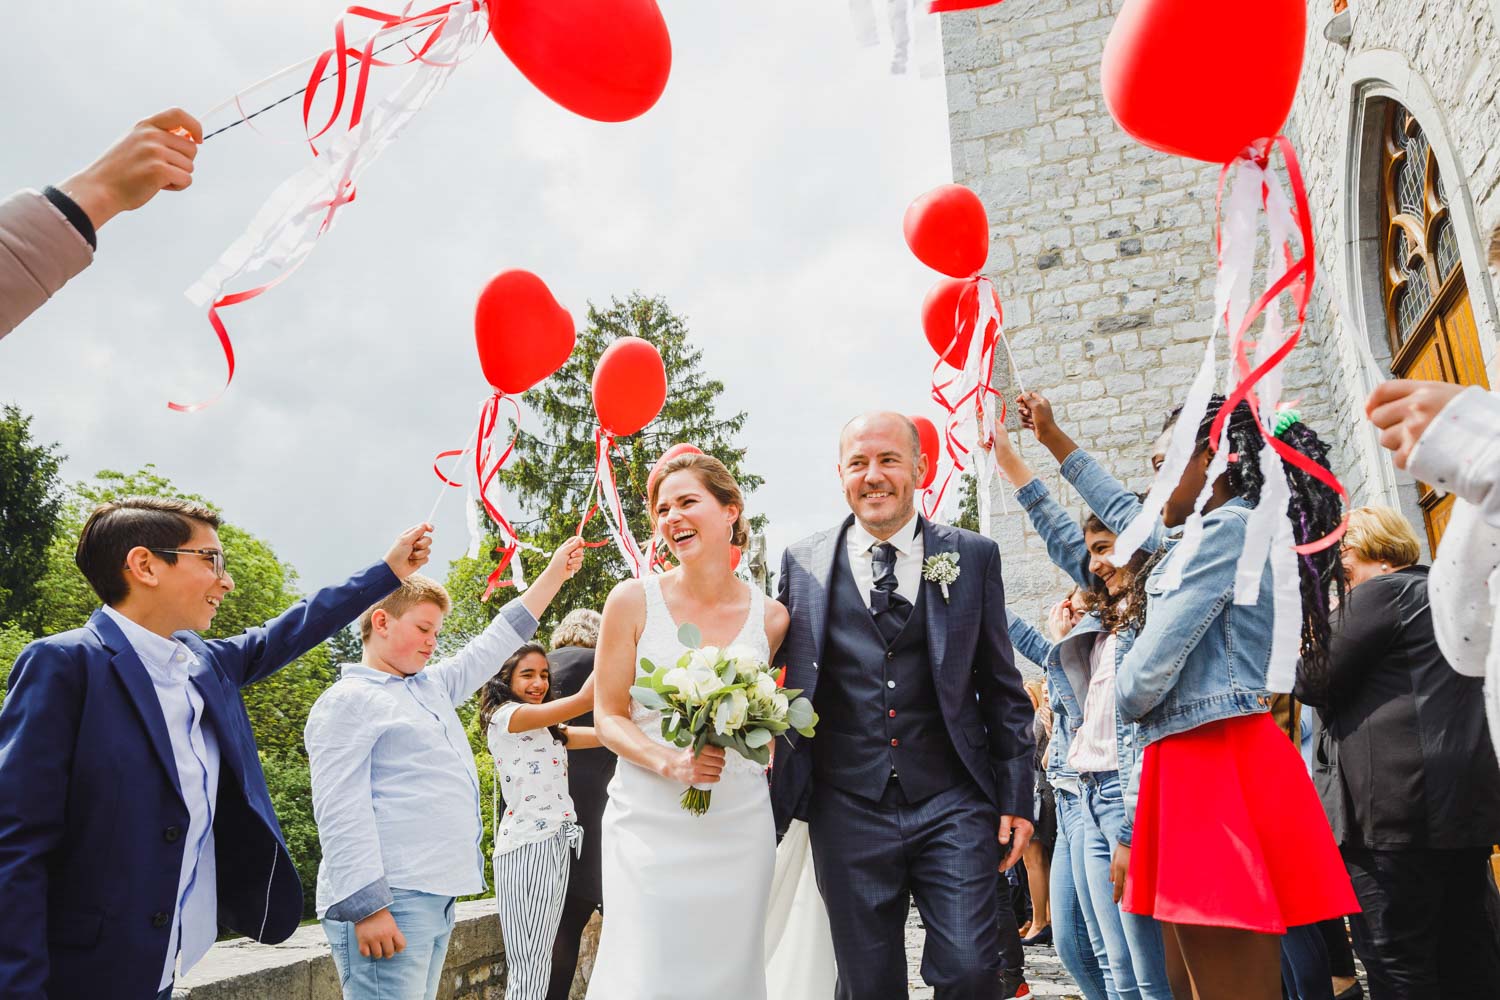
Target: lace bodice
(660, 645)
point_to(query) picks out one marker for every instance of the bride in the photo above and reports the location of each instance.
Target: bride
(685, 896)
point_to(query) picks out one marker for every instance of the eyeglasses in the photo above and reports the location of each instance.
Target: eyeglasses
(215, 555)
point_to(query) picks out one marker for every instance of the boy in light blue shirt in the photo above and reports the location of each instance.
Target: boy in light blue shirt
(395, 789)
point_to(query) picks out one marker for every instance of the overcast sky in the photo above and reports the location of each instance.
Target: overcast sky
(762, 197)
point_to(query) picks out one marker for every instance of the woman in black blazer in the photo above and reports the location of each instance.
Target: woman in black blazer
(1408, 776)
(589, 773)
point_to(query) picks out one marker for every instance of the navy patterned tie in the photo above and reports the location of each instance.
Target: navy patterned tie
(890, 609)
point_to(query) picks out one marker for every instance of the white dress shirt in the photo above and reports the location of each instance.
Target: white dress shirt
(909, 553)
(195, 749)
(394, 787)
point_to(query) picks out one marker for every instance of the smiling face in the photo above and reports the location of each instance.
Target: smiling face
(187, 593)
(880, 464)
(531, 679)
(1101, 545)
(694, 523)
(402, 644)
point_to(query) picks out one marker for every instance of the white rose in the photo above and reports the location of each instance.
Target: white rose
(746, 663)
(681, 679)
(731, 712)
(765, 687)
(704, 683)
(698, 659)
(711, 655)
(779, 706)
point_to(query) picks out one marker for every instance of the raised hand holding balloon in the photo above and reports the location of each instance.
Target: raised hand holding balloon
(607, 60)
(630, 388)
(522, 336)
(1167, 83)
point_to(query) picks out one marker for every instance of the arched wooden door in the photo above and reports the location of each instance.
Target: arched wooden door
(1429, 318)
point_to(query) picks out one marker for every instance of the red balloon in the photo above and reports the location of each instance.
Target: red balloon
(1172, 82)
(940, 319)
(603, 59)
(943, 6)
(630, 386)
(948, 230)
(927, 433)
(523, 335)
(667, 456)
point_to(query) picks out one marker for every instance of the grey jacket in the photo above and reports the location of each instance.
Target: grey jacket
(40, 251)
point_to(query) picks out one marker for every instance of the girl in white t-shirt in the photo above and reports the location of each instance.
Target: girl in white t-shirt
(537, 825)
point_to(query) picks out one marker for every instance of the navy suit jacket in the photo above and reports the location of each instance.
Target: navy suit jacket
(987, 712)
(92, 822)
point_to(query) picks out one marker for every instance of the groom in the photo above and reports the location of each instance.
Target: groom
(921, 771)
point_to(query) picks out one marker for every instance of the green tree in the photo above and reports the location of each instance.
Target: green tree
(31, 501)
(13, 639)
(552, 471)
(968, 504)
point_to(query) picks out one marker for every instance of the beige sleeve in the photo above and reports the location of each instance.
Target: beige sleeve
(40, 251)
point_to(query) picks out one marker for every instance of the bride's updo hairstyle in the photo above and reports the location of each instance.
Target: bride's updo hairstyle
(716, 479)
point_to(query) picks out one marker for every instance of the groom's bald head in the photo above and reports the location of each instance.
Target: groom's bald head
(881, 419)
(880, 465)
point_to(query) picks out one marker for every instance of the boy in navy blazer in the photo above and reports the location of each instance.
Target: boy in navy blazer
(134, 817)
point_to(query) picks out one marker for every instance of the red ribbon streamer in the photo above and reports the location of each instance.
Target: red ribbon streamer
(966, 316)
(486, 468)
(1299, 277)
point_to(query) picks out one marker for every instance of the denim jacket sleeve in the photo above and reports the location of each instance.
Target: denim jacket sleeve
(1029, 642)
(1176, 622)
(1106, 496)
(1061, 533)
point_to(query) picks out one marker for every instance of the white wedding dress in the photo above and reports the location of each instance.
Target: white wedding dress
(685, 896)
(799, 946)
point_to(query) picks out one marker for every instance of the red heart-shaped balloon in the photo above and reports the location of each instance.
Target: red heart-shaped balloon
(927, 434)
(948, 230)
(603, 59)
(1204, 79)
(523, 335)
(941, 320)
(630, 386)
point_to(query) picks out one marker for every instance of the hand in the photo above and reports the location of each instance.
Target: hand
(156, 155)
(411, 551)
(1036, 414)
(378, 935)
(686, 769)
(1403, 409)
(1015, 832)
(1060, 619)
(567, 560)
(1118, 867)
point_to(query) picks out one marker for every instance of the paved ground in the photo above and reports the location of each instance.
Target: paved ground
(1043, 969)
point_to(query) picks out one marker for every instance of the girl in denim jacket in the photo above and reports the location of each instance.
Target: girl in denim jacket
(1231, 846)
(1093, 747)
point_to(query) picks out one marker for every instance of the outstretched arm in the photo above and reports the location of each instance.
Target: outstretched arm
(525, 718)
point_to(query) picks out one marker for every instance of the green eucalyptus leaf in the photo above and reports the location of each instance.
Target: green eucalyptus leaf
(690, 636)
(648, 697)
(758, 737)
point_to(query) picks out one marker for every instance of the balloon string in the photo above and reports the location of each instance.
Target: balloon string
(244, 118)
(448, 483)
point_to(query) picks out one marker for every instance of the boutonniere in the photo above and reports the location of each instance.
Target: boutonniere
(941, 569)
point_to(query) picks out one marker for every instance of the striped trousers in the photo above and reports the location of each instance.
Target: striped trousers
(530, 883)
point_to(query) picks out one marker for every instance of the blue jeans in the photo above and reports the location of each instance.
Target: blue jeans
(426, 921)
(1074, 928)
(1304, 964)
(1137, 959)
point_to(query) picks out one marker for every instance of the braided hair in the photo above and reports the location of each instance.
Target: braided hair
(1314, 509)
(497, 690)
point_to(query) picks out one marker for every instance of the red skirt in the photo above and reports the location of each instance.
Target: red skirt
(1229, 832)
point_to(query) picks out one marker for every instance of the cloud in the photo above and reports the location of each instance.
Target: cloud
(762, 197)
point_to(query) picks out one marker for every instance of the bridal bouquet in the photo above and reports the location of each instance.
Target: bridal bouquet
(721, 697)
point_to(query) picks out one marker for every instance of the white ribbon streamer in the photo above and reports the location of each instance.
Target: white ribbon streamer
(287, 227)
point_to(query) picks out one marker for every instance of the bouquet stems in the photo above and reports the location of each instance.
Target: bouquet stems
(696, 800)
